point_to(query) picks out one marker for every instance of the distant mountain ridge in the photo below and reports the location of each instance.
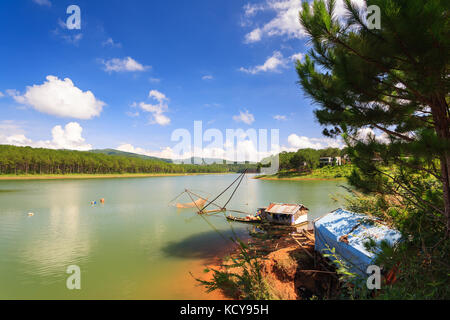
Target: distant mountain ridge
(191, 160)
(114, 152)
(199, 160)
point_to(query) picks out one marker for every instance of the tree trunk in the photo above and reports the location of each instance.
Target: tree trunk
(440, 113)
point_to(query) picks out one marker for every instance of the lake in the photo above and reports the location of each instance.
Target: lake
(134, 246)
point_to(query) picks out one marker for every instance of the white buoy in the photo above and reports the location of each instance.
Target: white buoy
(30, 214)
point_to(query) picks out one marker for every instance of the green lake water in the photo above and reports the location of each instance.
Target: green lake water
(134, 246)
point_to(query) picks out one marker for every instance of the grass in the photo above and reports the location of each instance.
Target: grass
(95, 176)
(242, 278)
(324, 173)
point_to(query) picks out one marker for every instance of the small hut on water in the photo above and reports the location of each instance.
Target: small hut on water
(286, 214)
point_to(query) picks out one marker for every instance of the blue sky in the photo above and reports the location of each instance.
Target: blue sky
(138, 70)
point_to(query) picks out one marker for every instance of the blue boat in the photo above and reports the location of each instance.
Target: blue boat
(347, 232)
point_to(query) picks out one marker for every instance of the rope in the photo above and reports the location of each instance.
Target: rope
(203, 199)
(235, 189)
(193, 201)
(224, 190)
(177, 197)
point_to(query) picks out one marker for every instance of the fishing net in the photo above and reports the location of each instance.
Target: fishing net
(199, 203)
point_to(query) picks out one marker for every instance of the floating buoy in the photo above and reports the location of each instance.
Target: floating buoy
(30, 214)
(102, 200)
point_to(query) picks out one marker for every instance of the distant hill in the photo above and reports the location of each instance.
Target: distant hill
(198, 160)
(192, 160)
(113, 152)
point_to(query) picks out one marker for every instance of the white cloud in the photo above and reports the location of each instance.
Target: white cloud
(69, 137)
(43, 2)
(60, 98)
(127, 64)
(166, 153)
(66, 34)
(302, 142)
(157, 110)
(159, 96)
(62, 24)
(280, 117)
(253, 36)
(252, 9)
(161, 119)
(111, 43)
(366, 134)
(2, 94)
(73, 39)
(285, 21)
(272, 64)
(297, 56)
(207, 77)
(340, 10)
(244, 117)
(243, 150)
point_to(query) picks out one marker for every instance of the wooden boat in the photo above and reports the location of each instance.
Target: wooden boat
(247, 219)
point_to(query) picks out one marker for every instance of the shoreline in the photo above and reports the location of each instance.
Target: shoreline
(298, 178)
(287, 266)
(102, 176)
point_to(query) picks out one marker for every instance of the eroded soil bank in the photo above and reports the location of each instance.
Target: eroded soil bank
(289, 266)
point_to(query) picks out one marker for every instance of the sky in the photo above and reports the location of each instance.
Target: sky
(137, 71)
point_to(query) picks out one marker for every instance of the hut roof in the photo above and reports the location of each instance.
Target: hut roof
(284, 208)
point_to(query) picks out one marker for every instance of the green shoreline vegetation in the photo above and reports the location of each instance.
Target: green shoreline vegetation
(325, 173)
(99, 176)
(24, 162)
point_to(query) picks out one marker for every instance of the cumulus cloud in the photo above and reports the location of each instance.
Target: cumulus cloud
(165, 153)
(207, 77)
(2, 94)
(367, 134)
(242, 150)
(253, 36)
(43, 2)
(284, 20)
(302, 142)
(297, 56)
(244, 117)
(127, 64)
(60, 98)
(272, 64)
(157, 110)
(69, 137)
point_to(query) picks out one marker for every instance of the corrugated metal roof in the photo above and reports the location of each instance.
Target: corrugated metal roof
(358, 229)
(284, 208)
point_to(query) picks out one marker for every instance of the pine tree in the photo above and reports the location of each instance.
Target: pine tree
(394, 80)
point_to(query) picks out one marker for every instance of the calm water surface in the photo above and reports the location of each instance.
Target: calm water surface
(134, 246)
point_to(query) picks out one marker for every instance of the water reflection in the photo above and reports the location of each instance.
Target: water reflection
(59, 236)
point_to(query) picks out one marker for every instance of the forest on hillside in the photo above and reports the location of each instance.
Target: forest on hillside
(27, 160)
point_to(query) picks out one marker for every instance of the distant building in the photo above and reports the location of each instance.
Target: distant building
(330, 161)
(325, 161)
